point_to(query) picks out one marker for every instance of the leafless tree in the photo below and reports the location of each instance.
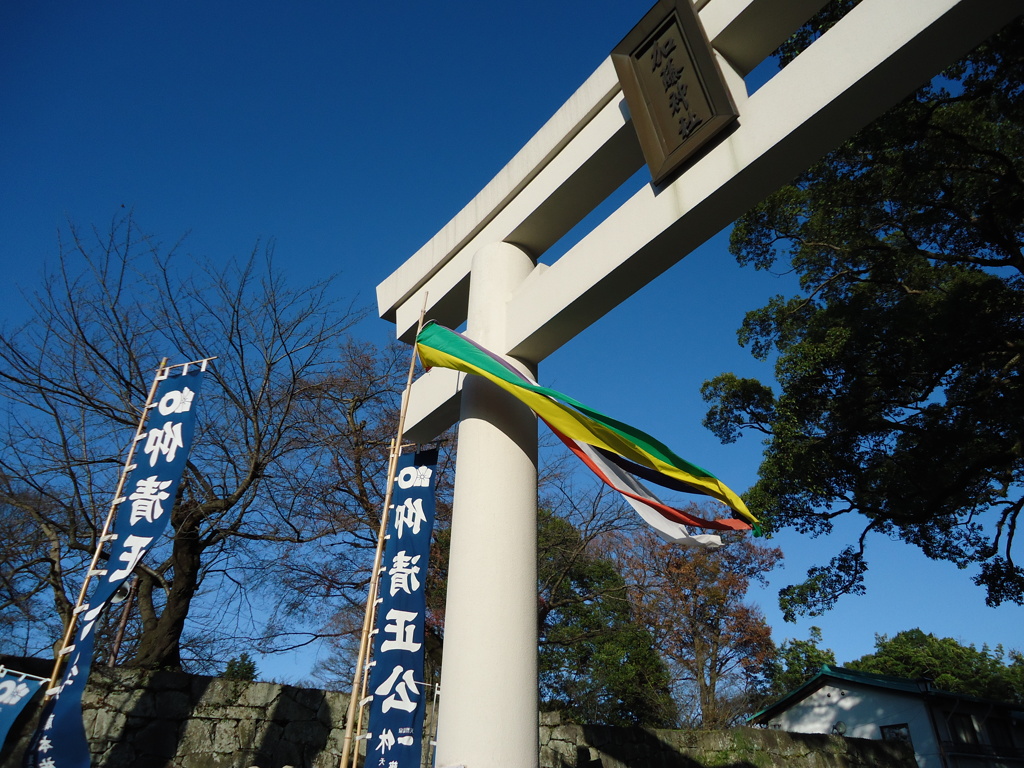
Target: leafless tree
(288, 449)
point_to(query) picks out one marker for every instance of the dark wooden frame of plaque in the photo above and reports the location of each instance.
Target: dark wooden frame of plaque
(666, 153)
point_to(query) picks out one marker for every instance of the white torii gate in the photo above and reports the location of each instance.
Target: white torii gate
(480, 269)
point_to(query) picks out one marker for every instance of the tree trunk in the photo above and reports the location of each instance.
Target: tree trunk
(160, 644)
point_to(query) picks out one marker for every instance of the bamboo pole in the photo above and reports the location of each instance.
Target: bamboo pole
(358, 678)
(372, 600)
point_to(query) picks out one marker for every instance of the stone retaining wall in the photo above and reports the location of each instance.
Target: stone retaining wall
(590, 746)
(175, 720)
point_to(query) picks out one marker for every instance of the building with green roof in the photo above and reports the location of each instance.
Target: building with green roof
(946, 730)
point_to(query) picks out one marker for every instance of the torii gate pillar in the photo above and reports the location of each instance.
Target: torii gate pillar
(488, 706)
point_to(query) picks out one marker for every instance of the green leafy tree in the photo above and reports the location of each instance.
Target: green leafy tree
(1015, 675)
(794, 663)
(597, 664)
(241, 668)
(900, 364)
(951, 666)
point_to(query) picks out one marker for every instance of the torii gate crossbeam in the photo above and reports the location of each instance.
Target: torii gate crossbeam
(876, 55)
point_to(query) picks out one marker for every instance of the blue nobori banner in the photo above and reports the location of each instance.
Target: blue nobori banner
(142, 514)
(396, 675)
(16, 688)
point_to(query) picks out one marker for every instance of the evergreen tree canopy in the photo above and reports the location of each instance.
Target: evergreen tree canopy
(240, 668)
(597, 664)
(951, 666)
(795, 662)
(899, 365)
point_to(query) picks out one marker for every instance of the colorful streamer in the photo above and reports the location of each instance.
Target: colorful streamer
(612, 449)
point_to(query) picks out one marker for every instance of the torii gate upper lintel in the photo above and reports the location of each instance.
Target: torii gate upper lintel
(876, 55)
(880, 52)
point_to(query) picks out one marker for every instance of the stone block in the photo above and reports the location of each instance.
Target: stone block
(717, 741)
(568, 733)
(287, 709)
(328, 758)
(135, 723)
(551, 719)
(280, 752)
(333, 708)
(173, 704)
(335, 740)
(218, 693)
(261, 695)
(167, 680)
(225, 737)
(158, 740)
(197, 735)
(598, 734)
(232, 713)
(307, 697)
(123, 756)
(251, 732)
(105, 724)
(145, 706)
(566, 750)
(199, 685)
(308, 732)
(123, 700)
(120, 680)
(272, 731)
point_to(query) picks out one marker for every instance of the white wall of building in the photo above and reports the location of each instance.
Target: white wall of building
(864, 711)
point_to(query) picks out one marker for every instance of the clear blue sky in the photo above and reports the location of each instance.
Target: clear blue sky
(350, 133)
